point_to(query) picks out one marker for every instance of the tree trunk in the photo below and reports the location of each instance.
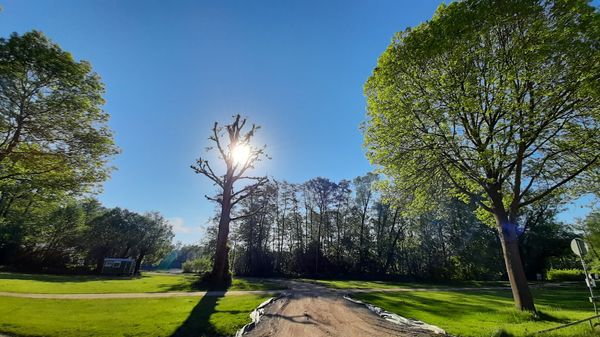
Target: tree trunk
(99, 264)
(138, 263)
(220, 274)
(514, 266)
(363, 217)
(392, 247)
(317, 251)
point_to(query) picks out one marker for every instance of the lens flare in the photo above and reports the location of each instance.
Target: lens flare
(240, 154)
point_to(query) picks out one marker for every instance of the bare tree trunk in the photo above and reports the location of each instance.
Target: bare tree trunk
(220, 272)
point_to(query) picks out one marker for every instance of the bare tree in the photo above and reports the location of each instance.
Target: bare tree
(235, 149)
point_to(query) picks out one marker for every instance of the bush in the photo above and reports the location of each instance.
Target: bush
(566, 275)
(199, 265)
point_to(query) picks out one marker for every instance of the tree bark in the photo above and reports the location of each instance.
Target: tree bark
(138, 263)
(220, 271)
(512, 260)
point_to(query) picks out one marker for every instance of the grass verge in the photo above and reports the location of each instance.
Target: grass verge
(487, 313)
(94, 284)
(178, 317)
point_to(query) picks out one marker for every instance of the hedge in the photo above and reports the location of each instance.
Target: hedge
(565, 275)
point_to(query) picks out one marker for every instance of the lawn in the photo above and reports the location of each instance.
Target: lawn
(358, 284)
(483, 313)
(181, 316)
(147, 283)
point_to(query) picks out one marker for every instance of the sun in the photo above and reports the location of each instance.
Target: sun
(240, 154)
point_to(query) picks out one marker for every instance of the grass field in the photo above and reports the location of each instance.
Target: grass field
(181, 316)
(484, 313)
(147, 283)
(358, 284)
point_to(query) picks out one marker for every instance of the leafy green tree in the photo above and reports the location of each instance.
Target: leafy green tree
(364, 197)
(154, 239)
(591, 228)
(501, 99)
(544, 239)
(51, 117)
(322, 192)
(110, 235)
(60, 234)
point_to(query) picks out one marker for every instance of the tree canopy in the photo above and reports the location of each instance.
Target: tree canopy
(52, 126)
(498, 99)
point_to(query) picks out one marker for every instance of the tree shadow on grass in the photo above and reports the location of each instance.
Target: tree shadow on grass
(198, 322)
(188, 283)
(496, 303)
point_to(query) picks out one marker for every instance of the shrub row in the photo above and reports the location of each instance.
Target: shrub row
(565, 275)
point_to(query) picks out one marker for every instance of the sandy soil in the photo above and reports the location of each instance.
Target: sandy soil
(315, 311)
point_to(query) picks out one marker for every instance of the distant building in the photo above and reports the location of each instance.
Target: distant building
(113, 266)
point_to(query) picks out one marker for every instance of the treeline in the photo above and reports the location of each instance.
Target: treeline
(349, 229)
(78, 235)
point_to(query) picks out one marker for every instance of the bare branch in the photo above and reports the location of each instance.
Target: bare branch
(217, 199)
(203, 167)
(247, 215)
(248, 191)
(559, 184)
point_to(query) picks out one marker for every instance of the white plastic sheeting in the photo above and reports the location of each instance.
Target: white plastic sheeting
(397, 319)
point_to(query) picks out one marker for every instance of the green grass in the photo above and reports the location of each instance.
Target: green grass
(180, 316)
(483, 313)
(357, 284)
(147, 283)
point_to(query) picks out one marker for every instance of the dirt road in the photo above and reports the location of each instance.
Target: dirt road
(315, 311)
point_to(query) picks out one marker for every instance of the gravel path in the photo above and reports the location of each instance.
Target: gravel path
(312, 310)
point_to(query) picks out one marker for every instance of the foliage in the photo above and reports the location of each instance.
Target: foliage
(121, 233)
(591, 229)
(478, 90)
(565, 275)
(53, 129)
(545, 243)
(282, 235)
(374, 285)
(54, 148)
(200, 265)
(80, 234)
(479, 313)
(498, 100)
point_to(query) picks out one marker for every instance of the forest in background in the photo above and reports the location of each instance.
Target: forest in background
(350, 229)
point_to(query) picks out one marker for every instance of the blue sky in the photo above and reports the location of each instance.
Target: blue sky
(172, 68)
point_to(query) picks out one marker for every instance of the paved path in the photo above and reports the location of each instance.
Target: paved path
(308, 309)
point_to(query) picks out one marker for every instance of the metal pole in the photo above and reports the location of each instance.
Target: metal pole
(588, 283)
